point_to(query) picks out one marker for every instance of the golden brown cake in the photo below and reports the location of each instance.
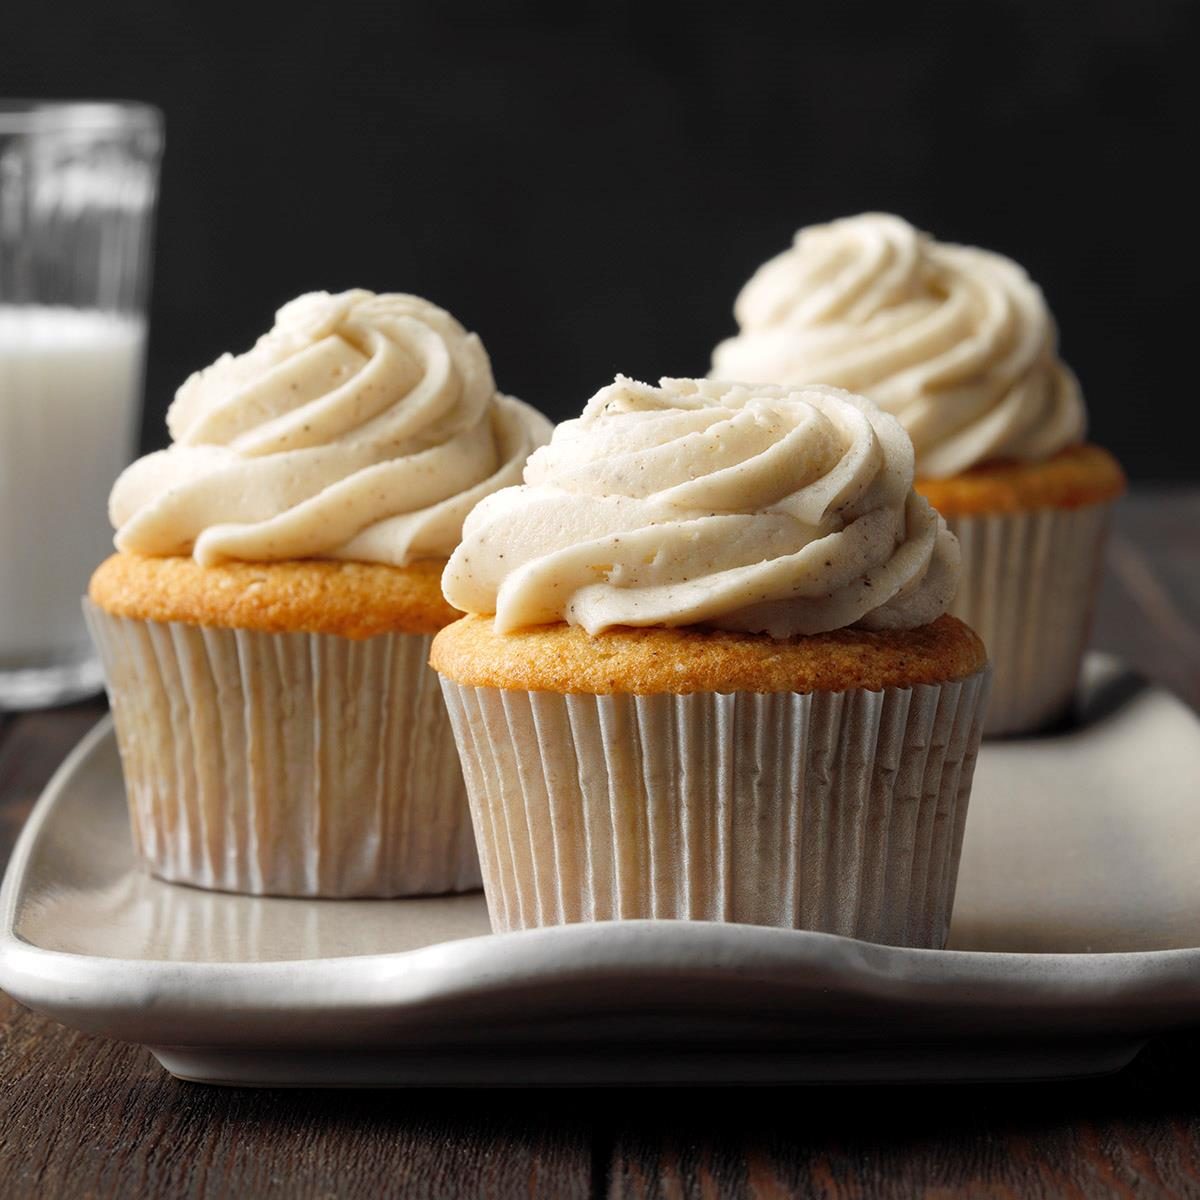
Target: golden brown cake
(1075, 477)
(566, 660)
(350, 600)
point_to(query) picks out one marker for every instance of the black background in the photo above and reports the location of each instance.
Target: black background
(588, 186)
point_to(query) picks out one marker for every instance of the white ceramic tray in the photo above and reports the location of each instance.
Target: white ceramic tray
(1075, 931)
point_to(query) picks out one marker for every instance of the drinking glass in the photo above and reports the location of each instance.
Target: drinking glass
(77, 191)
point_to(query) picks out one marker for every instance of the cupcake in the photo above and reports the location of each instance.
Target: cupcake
(266, 621)
(706, 673)
(958, 344)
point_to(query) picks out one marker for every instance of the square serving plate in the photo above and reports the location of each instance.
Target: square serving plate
(1075, 938)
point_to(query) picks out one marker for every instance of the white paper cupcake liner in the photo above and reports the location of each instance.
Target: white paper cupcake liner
(286, 764)
(840, 812)
(1027, 587)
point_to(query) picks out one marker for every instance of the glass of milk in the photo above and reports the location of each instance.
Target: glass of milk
(77, 190)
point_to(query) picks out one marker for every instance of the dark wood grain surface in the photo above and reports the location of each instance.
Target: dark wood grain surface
(81, 1117)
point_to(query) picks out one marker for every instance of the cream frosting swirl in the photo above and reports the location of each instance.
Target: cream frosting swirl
(756, 508)
(955, 342)
(360, 427)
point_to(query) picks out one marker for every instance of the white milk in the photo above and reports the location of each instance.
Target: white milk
(69, 387)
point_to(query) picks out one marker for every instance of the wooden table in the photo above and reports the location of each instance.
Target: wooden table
(81, 1117)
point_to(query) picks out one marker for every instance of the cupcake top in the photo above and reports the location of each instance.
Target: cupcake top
(957, 343)
(361, 427)
(755, 508)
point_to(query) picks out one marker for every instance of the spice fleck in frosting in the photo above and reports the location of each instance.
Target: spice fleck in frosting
(759, 509)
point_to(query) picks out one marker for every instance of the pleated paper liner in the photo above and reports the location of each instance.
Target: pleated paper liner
(840, 812)
(1028, 586)
(286, 764)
